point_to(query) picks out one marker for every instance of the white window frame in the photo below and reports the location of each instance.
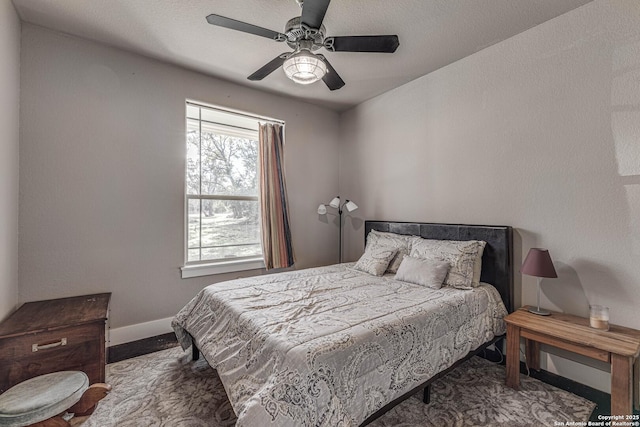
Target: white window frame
(210, 267)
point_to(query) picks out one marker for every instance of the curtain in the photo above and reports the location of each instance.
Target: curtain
(277, 247)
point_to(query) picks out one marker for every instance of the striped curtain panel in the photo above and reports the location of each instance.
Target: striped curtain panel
(277, 247)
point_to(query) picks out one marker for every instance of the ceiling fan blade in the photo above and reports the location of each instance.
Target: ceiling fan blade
(381, 44)
(269, 67)
(222, 21)
(332, 79)
(313, 12)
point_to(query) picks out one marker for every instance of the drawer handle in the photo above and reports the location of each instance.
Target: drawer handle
(36, 347)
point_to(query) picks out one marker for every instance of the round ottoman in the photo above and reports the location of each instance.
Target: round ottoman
(41, 398)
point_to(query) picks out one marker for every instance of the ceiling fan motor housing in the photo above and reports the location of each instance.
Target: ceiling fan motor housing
(296, 32)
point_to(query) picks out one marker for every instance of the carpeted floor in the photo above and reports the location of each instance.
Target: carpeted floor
(167, 389)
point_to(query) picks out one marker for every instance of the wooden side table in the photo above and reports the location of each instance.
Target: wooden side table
(619, 346)
(66, 334)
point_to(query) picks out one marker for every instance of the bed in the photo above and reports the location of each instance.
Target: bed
(334, 346)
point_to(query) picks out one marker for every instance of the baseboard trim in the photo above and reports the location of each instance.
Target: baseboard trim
(139, 331)
(141, 347)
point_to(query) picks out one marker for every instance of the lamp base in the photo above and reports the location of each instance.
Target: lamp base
(539, 311)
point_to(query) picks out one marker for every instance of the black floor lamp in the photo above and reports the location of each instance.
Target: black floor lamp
(338, 204)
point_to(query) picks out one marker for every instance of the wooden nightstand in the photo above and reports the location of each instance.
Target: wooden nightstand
(55, 335)
(619, 346)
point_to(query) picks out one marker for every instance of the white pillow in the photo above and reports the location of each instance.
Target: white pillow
(375, 260)
(463, 256)
(425, 272)
(399, 241)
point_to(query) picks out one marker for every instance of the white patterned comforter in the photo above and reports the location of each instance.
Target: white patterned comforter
(329, 346)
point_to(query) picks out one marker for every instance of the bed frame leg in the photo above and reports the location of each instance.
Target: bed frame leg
(426, 396)
(195, 353)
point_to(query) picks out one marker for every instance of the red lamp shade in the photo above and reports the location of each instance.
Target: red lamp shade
(538, 263)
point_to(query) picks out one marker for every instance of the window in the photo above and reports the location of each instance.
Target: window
(222, 229)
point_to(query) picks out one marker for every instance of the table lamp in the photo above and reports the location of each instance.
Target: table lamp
(538, 264)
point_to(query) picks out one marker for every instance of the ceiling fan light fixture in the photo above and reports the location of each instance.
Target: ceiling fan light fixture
(304, 67)
(305, 34)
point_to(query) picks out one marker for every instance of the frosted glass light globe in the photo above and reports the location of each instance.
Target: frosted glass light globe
(304, 67)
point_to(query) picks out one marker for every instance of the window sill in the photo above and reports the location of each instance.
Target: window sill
(197, 270)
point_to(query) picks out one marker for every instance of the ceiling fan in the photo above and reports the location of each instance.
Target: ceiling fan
(305, 34)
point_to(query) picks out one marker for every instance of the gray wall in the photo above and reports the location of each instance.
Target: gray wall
(540, 132)
(9, 137)
(102, 174)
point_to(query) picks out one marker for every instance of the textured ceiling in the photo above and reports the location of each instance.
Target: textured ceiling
(433, 33)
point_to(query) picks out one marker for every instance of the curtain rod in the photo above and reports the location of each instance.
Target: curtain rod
(237, 113)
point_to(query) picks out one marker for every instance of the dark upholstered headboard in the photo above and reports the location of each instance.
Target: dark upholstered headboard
(497, 259)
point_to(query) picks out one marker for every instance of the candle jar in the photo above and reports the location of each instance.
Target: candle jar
(599, 317)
